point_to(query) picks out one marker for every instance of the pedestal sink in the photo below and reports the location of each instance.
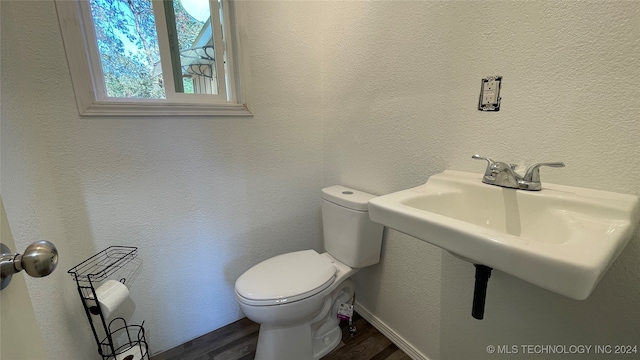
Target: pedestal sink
(561, 238)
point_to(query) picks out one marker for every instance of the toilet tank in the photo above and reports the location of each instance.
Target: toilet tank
(349, 235)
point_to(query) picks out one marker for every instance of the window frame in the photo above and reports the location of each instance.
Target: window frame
(80, 45)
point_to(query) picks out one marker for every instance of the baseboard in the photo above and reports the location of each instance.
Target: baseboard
(390, 334)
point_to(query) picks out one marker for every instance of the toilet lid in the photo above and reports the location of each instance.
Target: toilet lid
(286, 278)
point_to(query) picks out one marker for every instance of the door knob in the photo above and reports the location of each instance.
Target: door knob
(39, 259)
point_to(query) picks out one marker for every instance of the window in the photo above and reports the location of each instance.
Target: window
(153, 57)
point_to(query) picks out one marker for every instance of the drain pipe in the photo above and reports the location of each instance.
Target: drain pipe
(483, 273)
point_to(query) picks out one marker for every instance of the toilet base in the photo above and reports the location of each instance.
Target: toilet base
(295, 343)
(323, 345)
(310, 340)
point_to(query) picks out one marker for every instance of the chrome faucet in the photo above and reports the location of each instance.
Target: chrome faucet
(503, 174)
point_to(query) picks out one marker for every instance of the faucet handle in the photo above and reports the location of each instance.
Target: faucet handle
(531, 179)
(490, 162)
(478, 157)
(488, 172)
(533, 172)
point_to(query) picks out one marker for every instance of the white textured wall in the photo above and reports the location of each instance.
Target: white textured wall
(401, 83)
(374, 95)
(31, 193)
(203, 199)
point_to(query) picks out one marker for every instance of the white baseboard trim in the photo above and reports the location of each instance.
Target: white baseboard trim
(390, 334)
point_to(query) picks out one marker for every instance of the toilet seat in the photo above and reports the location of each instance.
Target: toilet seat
(286, 278)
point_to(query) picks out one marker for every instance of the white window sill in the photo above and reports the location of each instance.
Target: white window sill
(164, 109)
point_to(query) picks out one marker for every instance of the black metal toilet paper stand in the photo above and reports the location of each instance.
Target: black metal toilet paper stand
(115, 339)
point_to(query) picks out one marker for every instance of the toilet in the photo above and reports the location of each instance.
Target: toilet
(295, 296)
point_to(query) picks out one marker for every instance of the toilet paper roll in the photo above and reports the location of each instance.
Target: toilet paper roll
(111, 294)
(136, 352)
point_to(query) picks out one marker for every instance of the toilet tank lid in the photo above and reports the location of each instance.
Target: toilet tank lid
(349, 198)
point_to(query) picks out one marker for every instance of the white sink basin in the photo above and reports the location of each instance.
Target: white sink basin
(561, 238)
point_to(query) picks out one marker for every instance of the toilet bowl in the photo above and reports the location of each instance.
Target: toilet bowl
(300, 326)
(295, 296)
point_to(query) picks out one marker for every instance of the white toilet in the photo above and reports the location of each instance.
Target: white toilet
(295, 296)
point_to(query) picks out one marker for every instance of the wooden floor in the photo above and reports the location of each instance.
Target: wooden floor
(237, 341)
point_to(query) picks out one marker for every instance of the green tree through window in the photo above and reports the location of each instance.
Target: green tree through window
(128, 46)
